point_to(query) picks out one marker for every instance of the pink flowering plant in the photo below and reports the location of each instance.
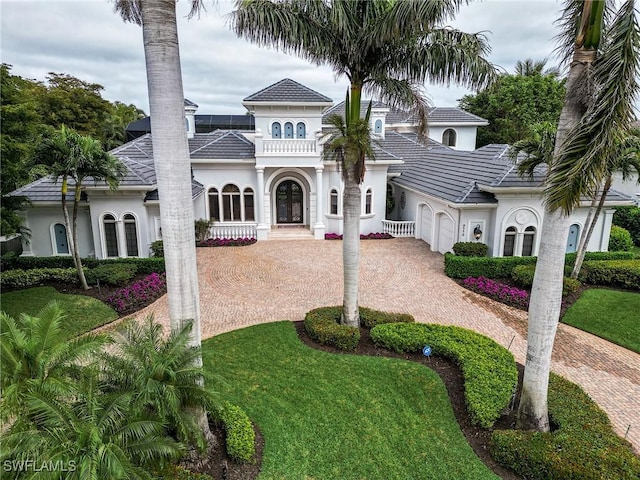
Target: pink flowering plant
(498, 291)
(138, 294)
(368, 236)
(226, 242)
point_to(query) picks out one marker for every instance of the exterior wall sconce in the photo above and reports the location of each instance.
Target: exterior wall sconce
(477, 232)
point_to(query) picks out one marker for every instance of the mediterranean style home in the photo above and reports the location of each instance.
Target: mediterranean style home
(268, 178)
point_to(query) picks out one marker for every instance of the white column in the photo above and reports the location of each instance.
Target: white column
(262, 229)
(318, 228)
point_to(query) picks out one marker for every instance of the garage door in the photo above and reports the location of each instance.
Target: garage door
(445, 236)
(426, 224)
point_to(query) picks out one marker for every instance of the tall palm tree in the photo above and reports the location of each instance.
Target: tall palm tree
(67, 155)
(171, 160)
(530, 67)
(604, 49)
(385, 48)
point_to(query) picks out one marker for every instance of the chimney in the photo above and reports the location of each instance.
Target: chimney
(378, 119)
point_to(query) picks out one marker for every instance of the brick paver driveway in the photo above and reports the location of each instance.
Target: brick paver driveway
(282, 280)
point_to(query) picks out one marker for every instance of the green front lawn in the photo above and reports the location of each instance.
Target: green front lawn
(85, 312)
(328, 416)
(610, 314)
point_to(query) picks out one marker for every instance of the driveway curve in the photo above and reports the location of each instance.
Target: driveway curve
(283, 279)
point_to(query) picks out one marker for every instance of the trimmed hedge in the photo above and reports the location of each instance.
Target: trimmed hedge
(583, 447)
(620, 239)
(36, 276)
(489, 369)
(522, 275)
(240, 436)
(116, 274)
(456, 266)
(369, 317)
(612, 273)
(322, 325)
(470, 249)
(143, 265)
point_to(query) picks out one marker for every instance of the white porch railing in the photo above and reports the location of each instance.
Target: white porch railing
(234, 230)
(399, 229)
(292, 146)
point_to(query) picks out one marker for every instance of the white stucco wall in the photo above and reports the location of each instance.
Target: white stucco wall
(265, 115)
(466, 135)
(40, 221)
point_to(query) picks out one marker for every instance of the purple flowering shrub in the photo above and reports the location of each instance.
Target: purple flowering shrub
(368, 236)
(498, 291)
(138, 294)
(226, 242)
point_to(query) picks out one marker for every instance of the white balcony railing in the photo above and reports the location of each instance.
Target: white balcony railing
(233, 230)
(289, 146)
(399, 229)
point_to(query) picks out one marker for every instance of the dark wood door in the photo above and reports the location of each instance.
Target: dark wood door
(289, 202)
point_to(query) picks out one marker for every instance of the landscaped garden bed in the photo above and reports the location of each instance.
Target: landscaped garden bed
(363, 236)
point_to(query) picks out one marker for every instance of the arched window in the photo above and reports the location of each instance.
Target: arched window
(249, 215)
(301, 130)
(449, 137)
(509, 242)
(60, 239)
(186, 123)
(333, 201)
(131, 235)
(110, 235)
(276, 130)
(368, 200)
(528, 241)
(288, 130)
(377, 127)
(214, 204)
(231, 203)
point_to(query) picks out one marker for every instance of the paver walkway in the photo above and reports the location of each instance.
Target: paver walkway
(282, 280)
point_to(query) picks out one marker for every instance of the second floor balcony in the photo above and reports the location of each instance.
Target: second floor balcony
(292, 146)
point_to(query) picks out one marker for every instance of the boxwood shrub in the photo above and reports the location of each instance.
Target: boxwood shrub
(322, 325)
(37, 276)
(584, 446)
(470, 249)
(522, 275)
(143, 265)
(612, 273)
(240, 436)
(370, 318)
(489, 370)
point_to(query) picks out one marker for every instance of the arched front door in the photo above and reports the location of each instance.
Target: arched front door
(289, 202)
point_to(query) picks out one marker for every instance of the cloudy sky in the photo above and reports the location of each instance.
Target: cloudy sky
(86, 39)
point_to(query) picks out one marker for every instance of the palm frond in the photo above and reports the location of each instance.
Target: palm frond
(582, 162)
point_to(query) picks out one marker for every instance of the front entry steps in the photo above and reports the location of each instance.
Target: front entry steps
(290, 232)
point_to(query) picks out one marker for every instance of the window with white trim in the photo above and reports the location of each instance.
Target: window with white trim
(249, 210)
(333, 201)
(368, 200)
(288, 130)
(301, 130)
(528, 241)
(214, 204)
(131, 235)
(276, 130)
(110, 235)
(509, 242)
(449, 137)
(232, 205)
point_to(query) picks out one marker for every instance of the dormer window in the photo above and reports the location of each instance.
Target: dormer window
(288, 130)
(377, 128)
(301, 130)
(449, 137)
(276, 130)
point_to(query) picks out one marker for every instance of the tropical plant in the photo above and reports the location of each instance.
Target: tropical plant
(602, 84)
(69, 156)
(530, 67)
(386, 48)
(36, 353)
(163, 375)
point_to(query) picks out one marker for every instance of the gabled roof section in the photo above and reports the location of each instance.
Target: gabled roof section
(394, 115)
(222, 144)
(454, 115)
(189, 103)
(287, 91)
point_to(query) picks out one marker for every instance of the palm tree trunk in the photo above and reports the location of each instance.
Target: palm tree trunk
(546, 292)
(67, 221)
(583, 246)
(172, 163)
(351, 248)
(76, 249)
(173, 168)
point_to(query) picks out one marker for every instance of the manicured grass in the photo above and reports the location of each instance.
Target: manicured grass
(610, 314)
(328, 416)
(83, 313)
